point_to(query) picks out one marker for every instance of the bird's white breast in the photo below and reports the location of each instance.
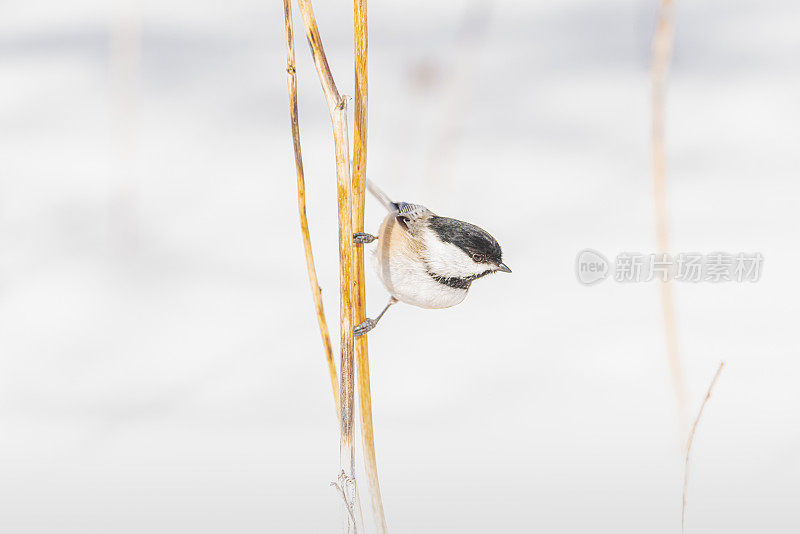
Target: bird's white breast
(400, 266)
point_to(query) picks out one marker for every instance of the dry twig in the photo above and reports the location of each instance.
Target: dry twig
(344, 481)
(662, 54)
(689, 446)
(337, 107)
(301, 202)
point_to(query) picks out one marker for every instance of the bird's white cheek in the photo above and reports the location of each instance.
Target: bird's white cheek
(446, 259)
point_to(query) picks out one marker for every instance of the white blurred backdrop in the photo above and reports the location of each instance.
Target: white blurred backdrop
(160, 364)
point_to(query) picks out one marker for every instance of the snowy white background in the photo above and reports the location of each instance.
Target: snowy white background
(160, 366)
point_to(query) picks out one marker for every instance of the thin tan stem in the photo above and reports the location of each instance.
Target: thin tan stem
(301, 203)
(343, 494)
(347, 371)
(359, 295)
(125, 79)
(338, 111)
(662, 54)
(320, 59)
(689, 445)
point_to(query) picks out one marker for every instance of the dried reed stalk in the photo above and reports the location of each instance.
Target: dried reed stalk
(662, 54)
(337, 107)
(359, 295)
(301, 203)
(125, 75)
(689, 445)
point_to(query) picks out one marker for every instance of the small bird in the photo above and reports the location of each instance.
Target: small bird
(426, 260)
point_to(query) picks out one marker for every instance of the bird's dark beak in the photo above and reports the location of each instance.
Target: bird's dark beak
(503, 267)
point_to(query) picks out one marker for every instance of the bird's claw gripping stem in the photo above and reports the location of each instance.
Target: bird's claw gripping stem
(362, 238)
(362, 328)
(368, 324)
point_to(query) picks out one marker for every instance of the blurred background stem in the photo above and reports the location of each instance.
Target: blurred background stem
(662, 55)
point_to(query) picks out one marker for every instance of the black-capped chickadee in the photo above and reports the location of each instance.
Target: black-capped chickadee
(426, 260)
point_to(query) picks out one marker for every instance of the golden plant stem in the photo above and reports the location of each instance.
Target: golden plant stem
(359, 296)
(338, 111)
(301, 203)
(320, 59)
(662, 54)
(689, 445)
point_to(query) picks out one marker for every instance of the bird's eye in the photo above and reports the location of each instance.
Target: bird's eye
(477, 258)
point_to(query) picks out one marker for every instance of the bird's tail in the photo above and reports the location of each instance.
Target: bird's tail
(381, 196)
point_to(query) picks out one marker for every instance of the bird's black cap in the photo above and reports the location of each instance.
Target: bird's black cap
(474, 240)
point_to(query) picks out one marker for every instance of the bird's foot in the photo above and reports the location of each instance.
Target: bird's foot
(362, 328)
(362, 238)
